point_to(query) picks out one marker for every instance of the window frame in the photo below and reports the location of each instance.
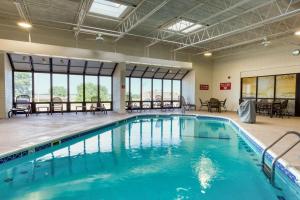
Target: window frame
(34, 104)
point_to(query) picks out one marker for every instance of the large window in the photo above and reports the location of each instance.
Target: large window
(105, 88)
(264, 87)
(149, 93)
(167, 90)
(74, 85)
(135, 89)
(23, 83)
(157, 89)
(286, 86)
(176, 90)
(60, 86)
(91, 87)
(249, 87)
(76, 88)
(147, 89)
(41, 87)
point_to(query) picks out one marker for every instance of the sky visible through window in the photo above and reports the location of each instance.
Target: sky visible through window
(184, 26)
(107, 8)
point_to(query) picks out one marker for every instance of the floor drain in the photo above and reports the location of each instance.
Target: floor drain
(8, 180)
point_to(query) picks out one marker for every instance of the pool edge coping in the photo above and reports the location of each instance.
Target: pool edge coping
(282, 164)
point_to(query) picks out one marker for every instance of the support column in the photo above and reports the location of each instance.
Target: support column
(119, 88)
(5, 85)
(188, 87)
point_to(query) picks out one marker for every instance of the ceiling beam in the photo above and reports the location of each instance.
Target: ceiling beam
(155, 72)
(23, 10)
(11, 62)
(256, 17)
(83, 10)
(175, 74)
(185, 74)
(132, 71)
(69, 66)
(165, 74)
(85, 66)
(100, 68)
(162, 34)
(144, 72)
(115, 67)
(260, 36)
(31, 64)
(140, 14)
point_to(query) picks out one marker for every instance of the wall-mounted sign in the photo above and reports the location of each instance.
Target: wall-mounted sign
(204, 87)
(225, 86)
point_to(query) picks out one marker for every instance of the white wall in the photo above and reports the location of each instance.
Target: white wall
(201, 74)
(251, 62)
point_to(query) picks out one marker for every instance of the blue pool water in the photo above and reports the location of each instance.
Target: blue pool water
(149, 158)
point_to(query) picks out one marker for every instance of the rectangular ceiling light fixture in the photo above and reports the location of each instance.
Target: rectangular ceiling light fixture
(184, 26)
(108, 8)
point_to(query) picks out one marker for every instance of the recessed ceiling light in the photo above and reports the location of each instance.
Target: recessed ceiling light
(297, 33)
(207, 54)
(25, 25)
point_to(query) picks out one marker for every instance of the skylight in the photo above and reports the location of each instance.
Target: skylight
(192, 28)
(180, 25)
(107, 8)
(184, 26)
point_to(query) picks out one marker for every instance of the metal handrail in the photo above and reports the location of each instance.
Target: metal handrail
(273, 164)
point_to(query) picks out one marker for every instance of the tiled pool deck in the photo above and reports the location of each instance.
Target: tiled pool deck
(22, 132)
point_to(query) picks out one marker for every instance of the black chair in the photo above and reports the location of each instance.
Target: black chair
(97, 106)
(223, 105)
(22, 106)
(263, 106)
(57, 105)
(214, 104)
(281, 109)
(203, 104)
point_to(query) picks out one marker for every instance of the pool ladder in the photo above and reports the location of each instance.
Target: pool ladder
(270, 171)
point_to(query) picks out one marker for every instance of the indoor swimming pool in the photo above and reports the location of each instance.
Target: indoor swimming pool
(149, 157)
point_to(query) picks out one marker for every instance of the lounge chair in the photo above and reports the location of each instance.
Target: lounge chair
(97, 106)
(22, 106)
(186, 106)
(57, 105)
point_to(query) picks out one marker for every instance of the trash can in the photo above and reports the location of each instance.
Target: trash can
(247, 111)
